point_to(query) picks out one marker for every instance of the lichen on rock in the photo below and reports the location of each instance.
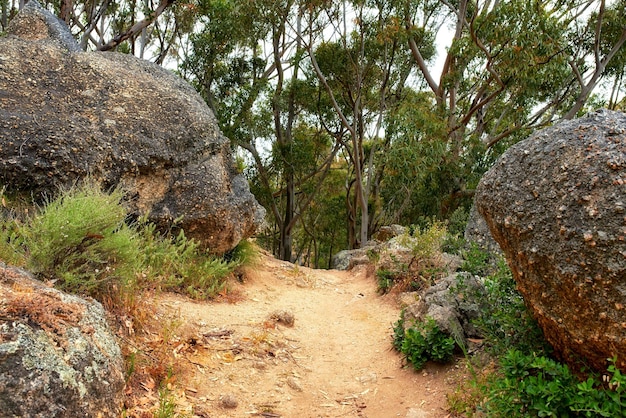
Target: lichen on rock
(59, 357)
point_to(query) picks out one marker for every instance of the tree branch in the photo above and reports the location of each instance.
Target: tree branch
(137, 27)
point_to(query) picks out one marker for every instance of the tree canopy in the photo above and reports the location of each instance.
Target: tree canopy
(354, 114)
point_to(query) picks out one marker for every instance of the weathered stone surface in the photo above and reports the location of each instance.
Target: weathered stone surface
(477, 231)
(556, 204)
(347, 259)
(58, 357)
(453, 303)
(67, 114)
(387, 232)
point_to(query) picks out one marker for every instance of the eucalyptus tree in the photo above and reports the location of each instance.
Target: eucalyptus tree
(5, 11)
(510, 67)
(245, 58)
(361, 69)
(601, 37)
(146, 28)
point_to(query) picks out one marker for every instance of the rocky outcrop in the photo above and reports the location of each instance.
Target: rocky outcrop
(348, 259)
(67, 114)
(58, 357)
(556, 204)
(453, 303)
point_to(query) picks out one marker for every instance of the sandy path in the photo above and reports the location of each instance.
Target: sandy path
(246, 359)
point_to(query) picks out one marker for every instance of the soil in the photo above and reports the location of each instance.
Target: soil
(296, 342)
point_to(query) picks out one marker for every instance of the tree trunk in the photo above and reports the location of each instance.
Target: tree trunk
(4, 18)
(65, 13)
(286, 240)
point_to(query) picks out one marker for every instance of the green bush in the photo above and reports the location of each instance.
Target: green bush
(423, 342)
(11, 242)
(178, 264)
(537, 386)
(424, 266)
(398, 332)
(385, 279)
(427, 240)
(476, 260)
(505, 321)
(83, 242)
(457, 222)
(81, 239)
(526, 381)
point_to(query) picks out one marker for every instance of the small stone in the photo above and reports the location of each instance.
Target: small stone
(294, 384)
(283, 317)
(259, 365)
(368, 378)
(229, 401)
(416, 413)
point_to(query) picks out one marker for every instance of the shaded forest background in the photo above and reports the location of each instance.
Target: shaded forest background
(346, 116)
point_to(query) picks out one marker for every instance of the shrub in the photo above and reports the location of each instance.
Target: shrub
(11, 242)
(385, 279)
(81, 240)
(422, 342)
(533, 385)
(476, 260)
(178, 264)
(13, 211)
(457, 222)
(526, 381)
(427, 240)
(504, 320)
(425, 263)
(84, 242)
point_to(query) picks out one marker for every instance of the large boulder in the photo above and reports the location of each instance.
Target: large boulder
(67, 114)
(58, 357)
(556, 204)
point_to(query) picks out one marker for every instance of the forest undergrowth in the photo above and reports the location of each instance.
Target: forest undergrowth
(85, 242)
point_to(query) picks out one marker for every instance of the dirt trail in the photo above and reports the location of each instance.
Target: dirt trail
(300, 343)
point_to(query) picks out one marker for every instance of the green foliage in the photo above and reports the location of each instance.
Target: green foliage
(11, 240)
(398, 332)
(385, 279)
(425, 243)
(82, 241)
(167, 404)
(531, 385)
(458, 221)
(505, 321)
(606, 398)
(178, 264)
(476, 260)
(244, 254)
(423, 342)
(526, 381)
